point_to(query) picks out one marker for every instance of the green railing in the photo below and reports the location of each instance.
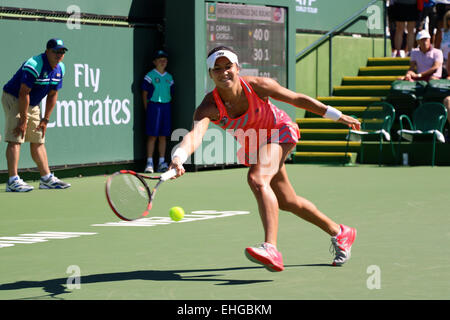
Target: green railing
(336, 30)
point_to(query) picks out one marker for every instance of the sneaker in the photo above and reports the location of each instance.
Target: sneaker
(266, 255)
(163, 167)
(18, 185)
(342, 245)
(53, 183)
(149, 169)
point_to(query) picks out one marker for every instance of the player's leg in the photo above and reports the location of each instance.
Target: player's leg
(342, 237)
(259, 177)
(289, 201)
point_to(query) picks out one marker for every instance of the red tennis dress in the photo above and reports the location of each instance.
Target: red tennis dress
(262, 123)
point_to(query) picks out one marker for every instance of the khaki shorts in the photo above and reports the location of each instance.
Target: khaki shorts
(12, 116)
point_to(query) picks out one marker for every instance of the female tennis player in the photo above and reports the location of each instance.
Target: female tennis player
(267, 135)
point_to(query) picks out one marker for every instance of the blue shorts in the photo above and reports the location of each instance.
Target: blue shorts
(158, 119)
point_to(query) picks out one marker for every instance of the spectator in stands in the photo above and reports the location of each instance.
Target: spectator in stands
(391, 26)
(39, 76)
(157, 90)
(445, 43)
(427, 18)
(442, 6)
(405, 13)
(426, 61)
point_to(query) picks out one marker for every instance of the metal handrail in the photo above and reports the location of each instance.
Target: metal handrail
(318, 42)
(330, 34)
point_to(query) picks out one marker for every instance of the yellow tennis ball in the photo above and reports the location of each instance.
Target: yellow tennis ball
(176, 213)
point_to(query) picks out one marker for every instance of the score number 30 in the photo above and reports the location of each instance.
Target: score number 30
(261, 54)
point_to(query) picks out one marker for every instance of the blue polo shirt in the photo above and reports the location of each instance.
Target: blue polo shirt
(37, 74)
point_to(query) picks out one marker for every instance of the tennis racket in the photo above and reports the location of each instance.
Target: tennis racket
(129, 195)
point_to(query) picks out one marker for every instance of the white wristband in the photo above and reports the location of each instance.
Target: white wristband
(332, 113)
(181, 154)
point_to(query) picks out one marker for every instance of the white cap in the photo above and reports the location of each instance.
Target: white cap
(221, 53)
(422, 35)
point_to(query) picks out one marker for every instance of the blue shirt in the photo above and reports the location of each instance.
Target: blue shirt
(159, 86)
(37, 74)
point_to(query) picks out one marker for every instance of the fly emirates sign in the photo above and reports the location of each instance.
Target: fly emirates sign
(92, 111)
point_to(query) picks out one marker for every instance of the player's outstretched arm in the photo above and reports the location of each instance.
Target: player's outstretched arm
(266, 87)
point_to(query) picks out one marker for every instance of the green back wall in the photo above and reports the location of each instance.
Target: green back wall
(88, 125)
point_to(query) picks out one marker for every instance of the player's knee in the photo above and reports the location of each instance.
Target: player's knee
(256, 182)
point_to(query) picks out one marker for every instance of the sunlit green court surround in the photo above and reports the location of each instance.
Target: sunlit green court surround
(401, 251)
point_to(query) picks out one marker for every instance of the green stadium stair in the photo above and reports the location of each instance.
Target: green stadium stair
(323, 141)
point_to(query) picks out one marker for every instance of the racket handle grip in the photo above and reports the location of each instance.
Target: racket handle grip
(168, 174)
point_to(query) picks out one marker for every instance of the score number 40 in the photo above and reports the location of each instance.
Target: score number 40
(258, 53)
(261, 34)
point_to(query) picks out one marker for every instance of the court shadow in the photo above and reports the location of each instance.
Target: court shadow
(55, 287)
(310, 265)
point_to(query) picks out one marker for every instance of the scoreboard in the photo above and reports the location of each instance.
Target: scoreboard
(256, 33)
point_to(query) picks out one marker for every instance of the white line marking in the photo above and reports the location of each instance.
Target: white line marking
(155, 221)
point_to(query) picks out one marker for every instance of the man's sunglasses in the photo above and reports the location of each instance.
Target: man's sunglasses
(59, 51)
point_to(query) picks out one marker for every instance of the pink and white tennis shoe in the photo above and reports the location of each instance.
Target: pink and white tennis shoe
(342, 245)
(267, 255)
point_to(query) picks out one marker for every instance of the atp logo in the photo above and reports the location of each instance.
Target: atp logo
(306, 6)
(303, 2)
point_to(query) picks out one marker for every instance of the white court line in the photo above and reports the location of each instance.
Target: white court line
(156, 221)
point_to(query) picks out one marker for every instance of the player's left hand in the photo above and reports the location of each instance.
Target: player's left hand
(352, 122)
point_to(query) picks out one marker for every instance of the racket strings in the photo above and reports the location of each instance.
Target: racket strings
(128, 195)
